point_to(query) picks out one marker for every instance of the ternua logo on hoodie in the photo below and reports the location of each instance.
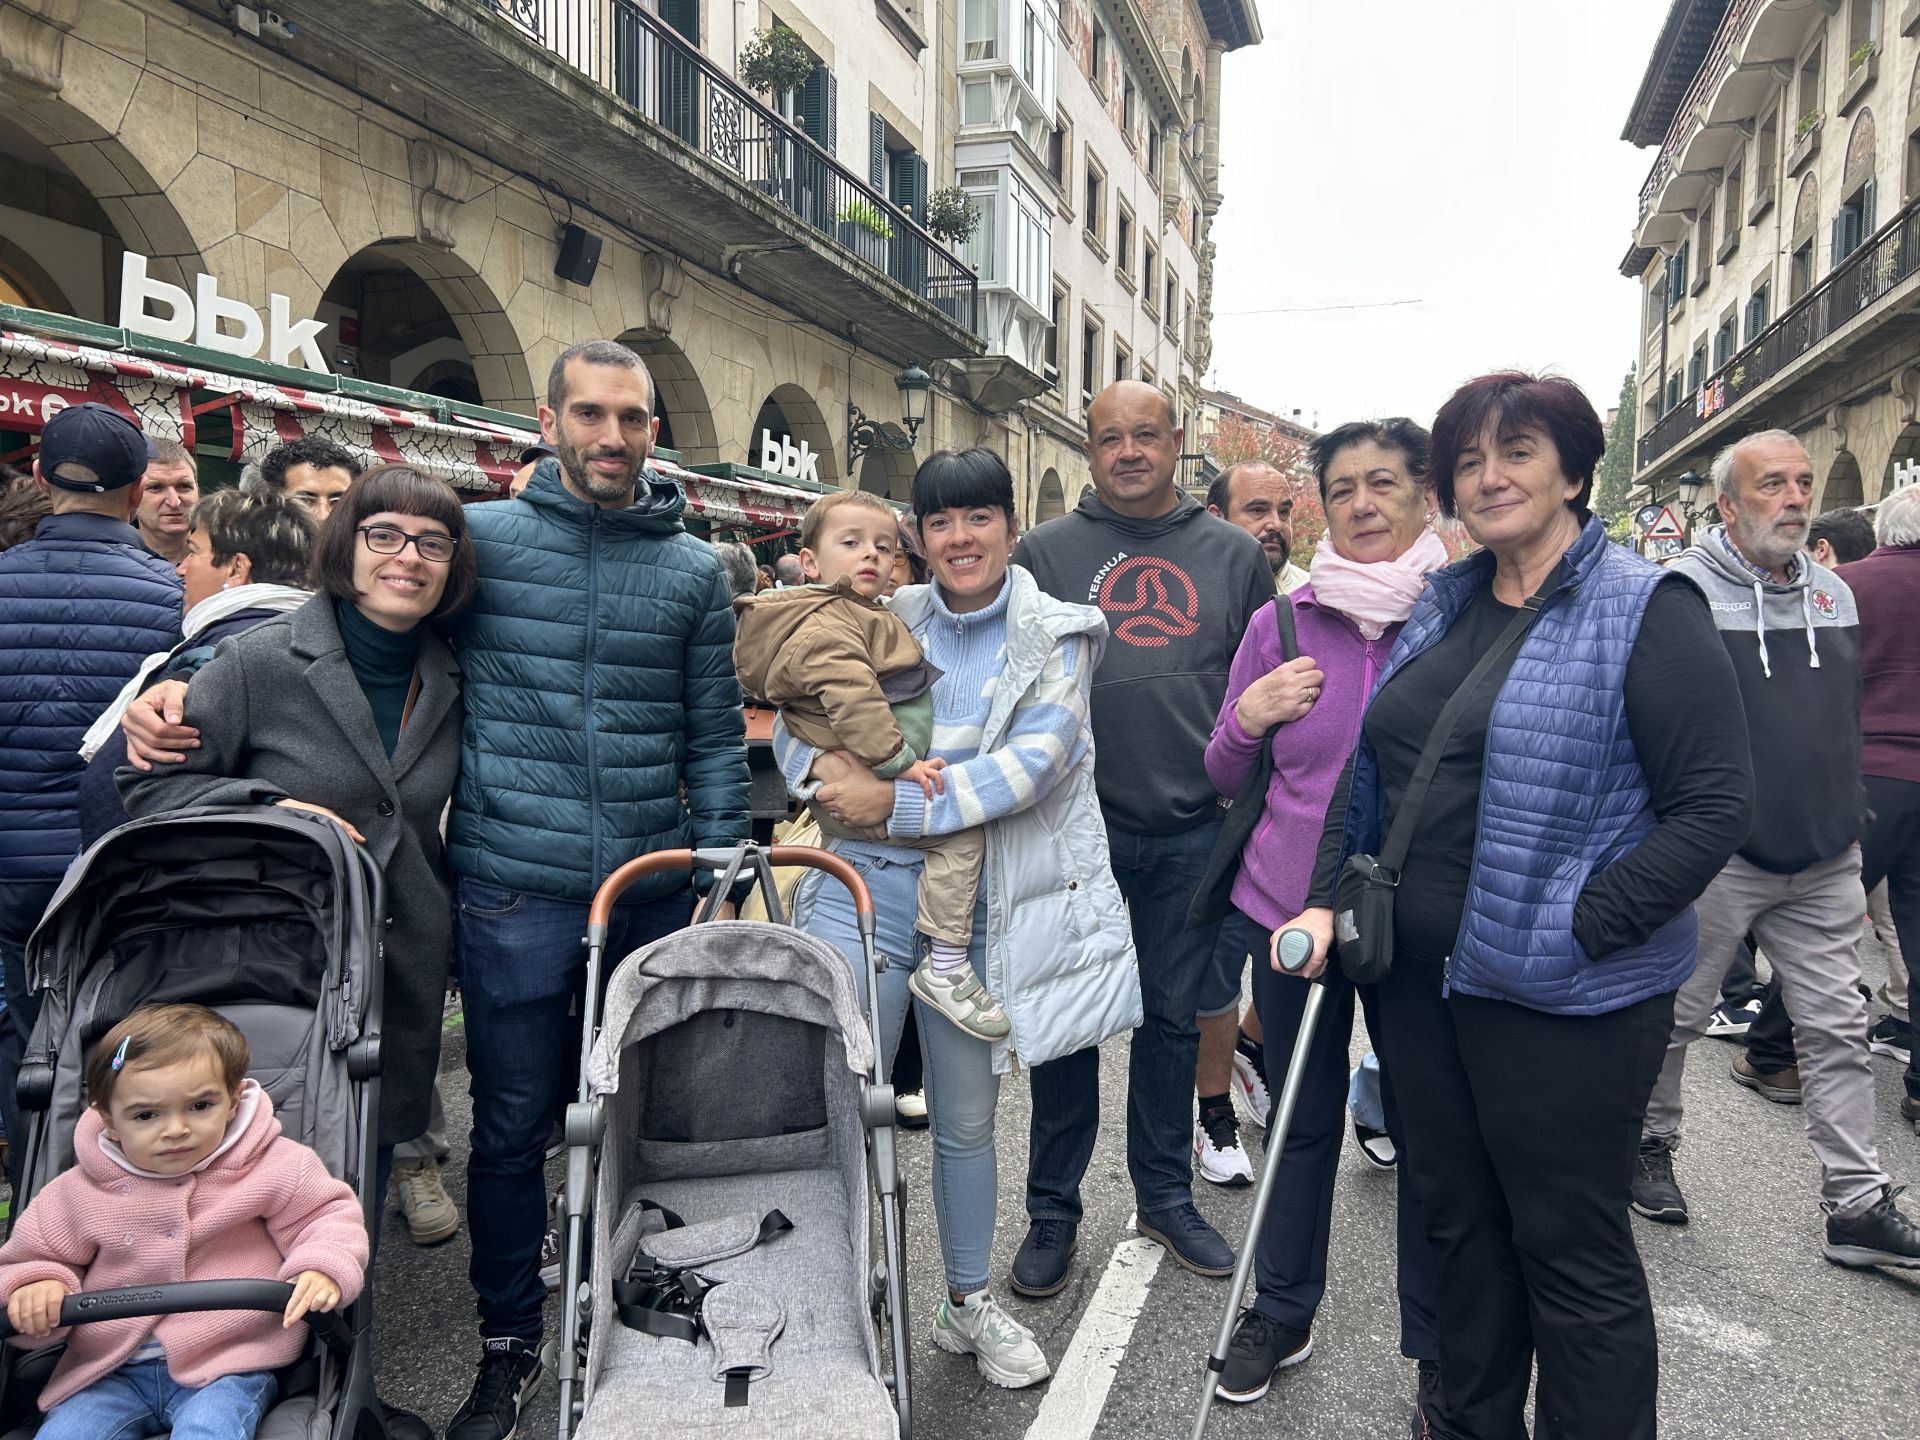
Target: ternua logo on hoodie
(1149, 602)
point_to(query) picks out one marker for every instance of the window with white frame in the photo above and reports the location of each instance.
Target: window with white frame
(983, 189)
(980, 30)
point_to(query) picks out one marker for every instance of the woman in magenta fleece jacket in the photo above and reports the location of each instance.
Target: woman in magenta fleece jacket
(181, 1173)
(1367, 572)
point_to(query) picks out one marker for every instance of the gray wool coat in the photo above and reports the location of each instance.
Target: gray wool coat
(282, 715)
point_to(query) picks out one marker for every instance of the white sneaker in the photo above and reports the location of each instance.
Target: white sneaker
(1250, 1092)
(1003, 1349)
(961, 1000)
(423, 1202)
(1376, 1146)
(1218, 1155)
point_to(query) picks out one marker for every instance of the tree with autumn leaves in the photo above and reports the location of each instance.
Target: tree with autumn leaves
(1238, 439)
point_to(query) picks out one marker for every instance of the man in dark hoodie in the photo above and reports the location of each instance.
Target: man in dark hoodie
(1178, 586)
(1792, 631)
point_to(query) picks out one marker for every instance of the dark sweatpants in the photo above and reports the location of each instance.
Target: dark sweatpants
(1522, 1131)
(1290, 1263)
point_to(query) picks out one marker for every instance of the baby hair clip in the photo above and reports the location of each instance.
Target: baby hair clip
(120, 1055)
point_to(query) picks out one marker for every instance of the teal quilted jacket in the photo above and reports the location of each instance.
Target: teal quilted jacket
(603, 717)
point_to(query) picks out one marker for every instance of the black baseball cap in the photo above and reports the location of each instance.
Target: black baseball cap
(539, 450)
(98, 437)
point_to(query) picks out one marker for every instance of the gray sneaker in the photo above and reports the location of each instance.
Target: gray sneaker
(1003, 1350)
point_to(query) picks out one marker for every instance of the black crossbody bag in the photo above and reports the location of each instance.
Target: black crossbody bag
(1214, 897)
(1363, 893)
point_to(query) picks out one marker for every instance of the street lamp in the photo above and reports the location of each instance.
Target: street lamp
(864, 434)
(1691, 484)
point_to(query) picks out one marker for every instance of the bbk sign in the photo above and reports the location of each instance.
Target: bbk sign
(779, 455)
(208, 319)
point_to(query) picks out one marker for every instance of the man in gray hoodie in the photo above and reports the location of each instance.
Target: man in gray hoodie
(1793, 634)
(1178, 586)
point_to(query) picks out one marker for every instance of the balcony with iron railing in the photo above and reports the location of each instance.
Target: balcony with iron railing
(1689, 118)
(1867, 288)
(657, 73)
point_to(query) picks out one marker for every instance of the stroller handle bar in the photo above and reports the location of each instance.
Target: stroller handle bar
(183, 1297)
(717, 861)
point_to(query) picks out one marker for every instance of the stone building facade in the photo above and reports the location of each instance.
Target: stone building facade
(1778, 244)
(407, 173)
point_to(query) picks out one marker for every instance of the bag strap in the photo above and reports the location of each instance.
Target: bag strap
(1400, 837)
(1289, 650)
(667, 1300)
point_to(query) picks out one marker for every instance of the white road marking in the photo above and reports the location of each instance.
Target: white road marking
(1078, 1391)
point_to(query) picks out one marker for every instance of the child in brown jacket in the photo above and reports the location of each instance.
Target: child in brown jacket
(847, 675)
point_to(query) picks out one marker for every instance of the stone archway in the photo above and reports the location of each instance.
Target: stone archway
(418, 311)
(680, 400)
(1903, 465)
(1085, 490)
(888, 472)
(1842, 490)
(86, 212)
(1050, 501)
(790, 411)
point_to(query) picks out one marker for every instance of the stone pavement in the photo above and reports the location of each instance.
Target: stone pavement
(1759, 1334)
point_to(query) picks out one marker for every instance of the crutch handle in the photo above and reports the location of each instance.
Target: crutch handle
(1293, 949)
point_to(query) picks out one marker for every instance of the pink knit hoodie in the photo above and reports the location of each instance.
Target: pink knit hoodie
(264, 1208)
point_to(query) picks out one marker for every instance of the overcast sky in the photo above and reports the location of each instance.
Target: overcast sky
(1463, 156)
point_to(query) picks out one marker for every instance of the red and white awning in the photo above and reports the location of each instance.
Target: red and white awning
(40, 378)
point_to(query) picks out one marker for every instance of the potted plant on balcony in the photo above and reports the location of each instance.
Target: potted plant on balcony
(1806, 141)
(951, 216)
(865, 230)
(775, 61)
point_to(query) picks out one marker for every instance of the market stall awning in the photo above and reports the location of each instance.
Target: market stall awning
(39, 378)
(724, 500)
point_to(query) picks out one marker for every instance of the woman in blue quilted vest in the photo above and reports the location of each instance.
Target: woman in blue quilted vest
(1594, 778)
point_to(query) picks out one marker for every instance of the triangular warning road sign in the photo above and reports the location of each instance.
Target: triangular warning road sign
(1665, 526)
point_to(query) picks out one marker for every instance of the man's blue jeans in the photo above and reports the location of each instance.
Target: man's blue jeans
(141, 1398)
(1158, 875)
(523, 970)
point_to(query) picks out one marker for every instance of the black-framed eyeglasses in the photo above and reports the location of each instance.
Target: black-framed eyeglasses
(391, 540)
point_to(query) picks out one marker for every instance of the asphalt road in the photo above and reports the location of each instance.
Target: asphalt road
(1759, 1334)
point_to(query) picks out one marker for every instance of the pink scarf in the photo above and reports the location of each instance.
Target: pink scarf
(1380, 594)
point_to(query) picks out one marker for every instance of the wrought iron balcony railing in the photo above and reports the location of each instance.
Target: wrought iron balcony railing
(1856, 285)
(634, 55)
(1686, 119)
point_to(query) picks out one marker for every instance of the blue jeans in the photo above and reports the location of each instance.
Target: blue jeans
(141, 1398)
(523, 972)
(1158, 875)
(961, 1089)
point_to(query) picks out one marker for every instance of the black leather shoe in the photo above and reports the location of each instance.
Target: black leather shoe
(1188, 1238)
(1045, 1258)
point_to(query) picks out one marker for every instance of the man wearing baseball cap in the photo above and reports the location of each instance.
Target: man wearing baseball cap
(81, 604)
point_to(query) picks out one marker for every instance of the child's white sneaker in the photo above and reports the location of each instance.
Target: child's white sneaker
(1003, 1349)
(962, 1000)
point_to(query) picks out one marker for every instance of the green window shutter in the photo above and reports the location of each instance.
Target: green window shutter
(910, 183)
(683, 16)
(817, 108)
(876, 152)
(1839, 243)
(1867, 220)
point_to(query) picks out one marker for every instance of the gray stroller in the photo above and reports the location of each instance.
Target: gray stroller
(273, 918)
(725, 1156)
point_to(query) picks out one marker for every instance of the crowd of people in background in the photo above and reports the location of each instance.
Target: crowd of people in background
(1601, 798)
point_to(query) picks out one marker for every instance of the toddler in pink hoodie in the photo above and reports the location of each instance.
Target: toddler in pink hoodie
(180, 1173)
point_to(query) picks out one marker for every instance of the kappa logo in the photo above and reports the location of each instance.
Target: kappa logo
(1828, 607)
(1157, 597)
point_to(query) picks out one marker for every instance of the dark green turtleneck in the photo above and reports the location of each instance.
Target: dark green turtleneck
(383, 662)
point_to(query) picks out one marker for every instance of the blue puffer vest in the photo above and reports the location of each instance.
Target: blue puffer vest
(81, 605)
(1562, 794)
(603, 717)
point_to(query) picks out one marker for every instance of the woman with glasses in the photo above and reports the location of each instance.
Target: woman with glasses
(348, 708)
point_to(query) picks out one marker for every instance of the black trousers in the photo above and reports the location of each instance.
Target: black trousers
(1522, 1130)
(1290, 1262)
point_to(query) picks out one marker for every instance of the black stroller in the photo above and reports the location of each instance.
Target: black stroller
(273, 918)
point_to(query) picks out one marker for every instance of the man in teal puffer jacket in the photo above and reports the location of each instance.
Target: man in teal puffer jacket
(597, 664)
